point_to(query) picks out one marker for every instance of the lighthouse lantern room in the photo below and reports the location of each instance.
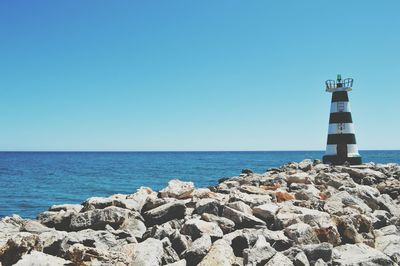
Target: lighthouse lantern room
(341, 146)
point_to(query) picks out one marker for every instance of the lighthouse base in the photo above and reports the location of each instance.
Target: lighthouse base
(338, 160)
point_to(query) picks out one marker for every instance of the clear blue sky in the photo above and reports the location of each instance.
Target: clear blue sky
(194, 75)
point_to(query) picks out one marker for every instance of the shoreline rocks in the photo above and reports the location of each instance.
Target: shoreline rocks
(305, 213)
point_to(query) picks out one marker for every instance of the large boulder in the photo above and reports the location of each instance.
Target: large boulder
(148, 253)
(259, 254)
(360, 254)
(165, 213)
(36, 258)
(225, 224)
(177, 189)
(241, 220)
(99, 218)
(207, 206)
(197, 250)
(141, 196)
(387, 240)
(60, 220)
(289, 214)
(197, 228)
(302, 234)
(266, 212)
(19, 245)
(220, 254)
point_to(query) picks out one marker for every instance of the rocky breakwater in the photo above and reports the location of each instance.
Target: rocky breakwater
(304, 213)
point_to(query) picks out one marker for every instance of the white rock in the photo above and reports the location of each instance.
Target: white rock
(178, 189)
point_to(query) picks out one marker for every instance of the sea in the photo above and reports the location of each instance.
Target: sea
(30, 182)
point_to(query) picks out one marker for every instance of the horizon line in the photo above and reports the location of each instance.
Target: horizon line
(145, 151)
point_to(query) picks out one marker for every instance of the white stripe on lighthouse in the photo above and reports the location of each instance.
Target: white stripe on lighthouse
(341, 128)
(330, 149)
(337, 107)
(352, 150)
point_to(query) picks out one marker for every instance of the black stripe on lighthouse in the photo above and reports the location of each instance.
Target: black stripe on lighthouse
(341, 139)
(342, 117)
(340, 96)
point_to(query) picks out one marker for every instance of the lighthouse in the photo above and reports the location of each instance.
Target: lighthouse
(341, 145)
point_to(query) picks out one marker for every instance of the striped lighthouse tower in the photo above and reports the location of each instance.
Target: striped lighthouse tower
(341, 146)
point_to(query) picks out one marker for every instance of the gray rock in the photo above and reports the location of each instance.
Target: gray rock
(177, 189)
(36, 258)
(117, 200)
(60, 220)
(259, 254)
(199, 248)
(388, 204)
(360, 254)
(318, 251)
(178, 263)
(298, 178)
(279, 259)
(165, 213)
(17, 246)
(134, 226)
(241, 219)
(250, 199)
(225, 224)
(306, 165)
(266, 212)
(387, 240)
(66, 207)
(179, 242)
(301, 234)
(240, 206)
(220, 254)
(148, 253)
(335, 180)
(290, 214)
(207, 206)
(34, 227)
(142, 196)
(301, 259)
(197, 228)
(99, 218)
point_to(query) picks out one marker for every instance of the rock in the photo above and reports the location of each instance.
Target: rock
(248, 189)
(178, 263)
(197, 228)
(387, 204)
(225, 224)
(9, 226)
(207, 206)
(170, 254)
(301, 259)
(34, 227)
(36, 258)
(199, 248)
(387, 240)
(320, 262)
(179, 242)
(134, 226)
(240, 206)
(306, 165)
(220, 254)
(390, 187)
(79, 254)
(279, 259)
(380, 218)
(116, 200)
(99, 218)
(301, 234)
(250, 199)
(282, 196)
(52, 242)
(241, 219)
(289, 214)
(360, 254)
(66, 207)
(17, 246)
(177, 189)
(165, 213)
(298, 178)
(60, 220)
(318, 251)
(141, 196)
(148, 253)
(337, 203)
(247, 171)
(259, 254)
(335, 180)
(266, 212)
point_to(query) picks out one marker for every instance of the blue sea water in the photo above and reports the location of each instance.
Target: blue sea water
(32, 181)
